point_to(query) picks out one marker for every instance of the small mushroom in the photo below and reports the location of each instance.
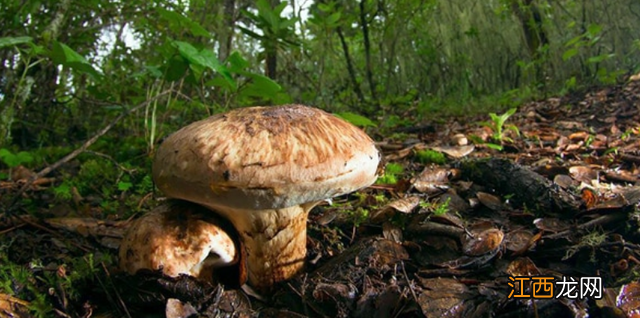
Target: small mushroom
(177, 238)
(264, 169)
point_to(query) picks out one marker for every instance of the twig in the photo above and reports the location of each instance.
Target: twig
(116, 163)
(80, 150)
(599, 221)
(409, 281)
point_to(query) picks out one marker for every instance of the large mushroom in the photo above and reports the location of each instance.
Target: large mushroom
(264, 169)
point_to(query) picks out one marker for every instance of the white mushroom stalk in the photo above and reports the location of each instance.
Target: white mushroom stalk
(177, 238)
(264, 168)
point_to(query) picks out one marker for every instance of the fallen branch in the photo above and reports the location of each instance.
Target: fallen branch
(79, 150)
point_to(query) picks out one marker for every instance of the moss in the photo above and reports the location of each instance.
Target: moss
(430, 156)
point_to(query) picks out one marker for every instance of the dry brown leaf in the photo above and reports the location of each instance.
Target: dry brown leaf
(431, 180)
(518, 240)
(482, 242)
(551, 224)
(522, 266)
(404, 205)
(583, 174)
(490, 201)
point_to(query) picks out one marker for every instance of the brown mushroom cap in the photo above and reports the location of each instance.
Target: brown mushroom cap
(265, 158)
(178, 238)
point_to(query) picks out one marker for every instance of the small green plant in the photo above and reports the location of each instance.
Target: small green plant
(63, 191)
(437, 208)
(391, 171)
(430, 156)
(13, 160)
(358, 216)
(499, 129)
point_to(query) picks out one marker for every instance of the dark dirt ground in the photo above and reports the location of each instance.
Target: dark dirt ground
(559, 202)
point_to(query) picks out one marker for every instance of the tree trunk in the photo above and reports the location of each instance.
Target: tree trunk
(367, 50)
(535, 37)
(271, 52)
(350, 69)
(227, 28)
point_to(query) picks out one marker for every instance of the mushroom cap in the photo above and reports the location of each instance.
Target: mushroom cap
(265, 158)
(178, 238)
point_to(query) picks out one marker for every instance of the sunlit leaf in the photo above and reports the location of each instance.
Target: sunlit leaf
(259, 86)
(356, 119)
(66, 56)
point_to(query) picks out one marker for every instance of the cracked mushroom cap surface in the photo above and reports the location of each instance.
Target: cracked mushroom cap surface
(265, 158)
(177, 238)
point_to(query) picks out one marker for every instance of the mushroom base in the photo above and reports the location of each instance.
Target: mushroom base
(275, 241)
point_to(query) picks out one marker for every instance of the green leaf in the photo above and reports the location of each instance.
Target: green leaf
(332, 19)
(251, 33)
(569, 53)
(259, 86)
(13, 160)
(594, 29)
(494, 146)
(325, 7)
(24, 157)
(189, 52)
(237, 62)
(176, 67)
(66, 56)
(356, 119)
(599, 58)
(124, 186)
(11, 41)
(212, 62)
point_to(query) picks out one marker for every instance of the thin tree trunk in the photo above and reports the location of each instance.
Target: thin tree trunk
(531, 20)
(271, 51)
(367, 50)
(350, 69)
(227, 29)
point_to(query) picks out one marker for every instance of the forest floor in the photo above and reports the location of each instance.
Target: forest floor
(539, 220)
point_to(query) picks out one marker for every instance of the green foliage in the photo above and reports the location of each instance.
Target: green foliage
(437, 208)
(63, 191)
(358, 216)
(13, 160)
(38, 285)
(355, 119)
(391, 172)
(66, 56)
(588, 39)
(430, 156)
(276, 30)
(499, 128)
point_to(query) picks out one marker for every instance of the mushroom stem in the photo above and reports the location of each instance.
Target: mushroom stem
(275, 241)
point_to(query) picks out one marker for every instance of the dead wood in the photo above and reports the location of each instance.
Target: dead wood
(526, 187)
